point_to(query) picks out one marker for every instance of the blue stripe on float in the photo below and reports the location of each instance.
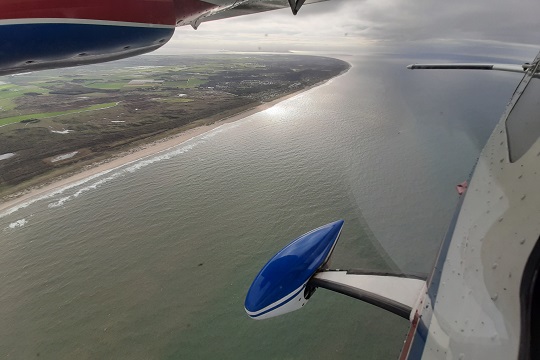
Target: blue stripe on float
(292, 267)
(280, 304)
(22, 44)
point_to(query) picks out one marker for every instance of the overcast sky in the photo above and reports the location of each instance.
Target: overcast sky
(356, 25)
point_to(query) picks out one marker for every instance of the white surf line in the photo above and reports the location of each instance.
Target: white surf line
(130, 167)
(17, 224)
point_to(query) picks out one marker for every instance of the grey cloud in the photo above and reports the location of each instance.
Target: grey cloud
(374, 22)
(493, 20)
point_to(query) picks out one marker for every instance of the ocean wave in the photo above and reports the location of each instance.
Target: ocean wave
(51, 194)
(169, 154)
(121, 170)
(93, 186)
(130, 167)
(17, 224)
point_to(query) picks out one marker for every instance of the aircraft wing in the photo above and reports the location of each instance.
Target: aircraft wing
(46, 34)
(247, 8)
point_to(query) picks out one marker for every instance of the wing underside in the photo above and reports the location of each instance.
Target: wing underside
(37, 34)
(247, 8)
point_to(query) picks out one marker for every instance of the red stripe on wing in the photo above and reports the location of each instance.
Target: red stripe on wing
(143, 11)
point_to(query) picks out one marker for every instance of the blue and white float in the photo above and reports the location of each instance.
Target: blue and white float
(289, 279)
(282, 284)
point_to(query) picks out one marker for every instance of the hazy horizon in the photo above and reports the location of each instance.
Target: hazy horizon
(362, 26)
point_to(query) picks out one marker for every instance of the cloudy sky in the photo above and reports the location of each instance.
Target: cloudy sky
(357, 25)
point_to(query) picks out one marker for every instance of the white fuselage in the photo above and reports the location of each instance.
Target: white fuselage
(472, 308)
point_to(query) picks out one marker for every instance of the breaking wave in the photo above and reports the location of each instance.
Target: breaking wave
(17, 224)
(117, 172)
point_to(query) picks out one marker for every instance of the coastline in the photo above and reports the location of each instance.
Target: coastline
(139, 152)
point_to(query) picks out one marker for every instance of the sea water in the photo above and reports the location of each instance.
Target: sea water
(153, 260)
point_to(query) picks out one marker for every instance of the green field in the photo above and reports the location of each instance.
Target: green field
(10, 92)
(106, 85)
(176, 100)
(16, 119)
(194, 82)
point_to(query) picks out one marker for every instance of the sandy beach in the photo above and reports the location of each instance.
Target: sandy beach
(137, 153)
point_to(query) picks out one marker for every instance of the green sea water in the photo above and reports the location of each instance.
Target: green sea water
(153, 260)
